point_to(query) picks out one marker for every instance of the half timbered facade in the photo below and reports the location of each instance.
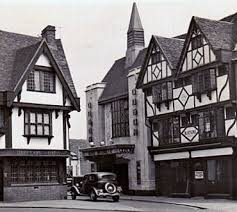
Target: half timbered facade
(36, 96)
(189, 84)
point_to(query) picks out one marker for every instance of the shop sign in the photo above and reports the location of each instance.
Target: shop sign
(199, 175)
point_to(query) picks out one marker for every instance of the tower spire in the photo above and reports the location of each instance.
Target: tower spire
(135, 36)
(135, 21)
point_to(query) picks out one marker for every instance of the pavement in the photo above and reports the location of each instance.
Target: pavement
(222, 205)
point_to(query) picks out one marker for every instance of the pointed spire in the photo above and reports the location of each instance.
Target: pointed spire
(135, 37)
(135, 21)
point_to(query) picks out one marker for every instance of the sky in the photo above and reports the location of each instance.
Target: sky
(93, 32)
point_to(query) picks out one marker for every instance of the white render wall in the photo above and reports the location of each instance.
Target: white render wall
(141, 141)
(20, 142)
(35, 97)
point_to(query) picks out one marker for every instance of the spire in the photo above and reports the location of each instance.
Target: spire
(135, 21)
(135, 37)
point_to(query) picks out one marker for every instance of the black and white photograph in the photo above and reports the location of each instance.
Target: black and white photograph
(123, 105)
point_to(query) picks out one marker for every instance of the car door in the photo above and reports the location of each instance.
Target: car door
(84, 184)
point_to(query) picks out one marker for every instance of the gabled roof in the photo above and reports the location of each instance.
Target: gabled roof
(116, 81)
(139, 59)
(171, 48)
(135, 21)
(17, 50)
(218, 33)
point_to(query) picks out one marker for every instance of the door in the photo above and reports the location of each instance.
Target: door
(121, 170)
(198, 175)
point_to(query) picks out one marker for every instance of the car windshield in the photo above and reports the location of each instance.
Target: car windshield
(109, 177)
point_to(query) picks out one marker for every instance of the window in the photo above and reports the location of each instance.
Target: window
(204, 81)
(207, 124)
(197, 42)
(155, 57)
(230, 112)
(120, 118)
(162, 92)
(43, 81)
(183, 82)
(38, 123)
(168, 130)
(222, 70)
(34, 171)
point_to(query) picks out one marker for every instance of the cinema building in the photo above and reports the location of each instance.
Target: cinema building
(116, 128)
(190, 89)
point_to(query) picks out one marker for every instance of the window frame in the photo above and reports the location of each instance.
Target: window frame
(42, 80)
(120, 118)
(28, 123)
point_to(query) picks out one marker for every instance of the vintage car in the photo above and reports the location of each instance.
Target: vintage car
(97, 184)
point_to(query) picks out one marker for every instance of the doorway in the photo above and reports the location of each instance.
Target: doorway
(121, 170)
(198, 177)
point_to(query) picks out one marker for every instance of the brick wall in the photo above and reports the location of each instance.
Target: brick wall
(31, 193)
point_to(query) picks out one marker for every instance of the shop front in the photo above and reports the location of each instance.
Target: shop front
(208, 176)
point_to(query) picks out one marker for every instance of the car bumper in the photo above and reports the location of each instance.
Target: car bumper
(102, 194)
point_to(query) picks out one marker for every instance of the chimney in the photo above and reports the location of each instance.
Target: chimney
(49, 34)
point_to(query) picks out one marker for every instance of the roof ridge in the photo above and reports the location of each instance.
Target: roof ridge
(20, 34)
(226, 22)
(173, 38)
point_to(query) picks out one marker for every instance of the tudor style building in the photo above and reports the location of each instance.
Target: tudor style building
(116, 121)
(36, 96)
(190, 88)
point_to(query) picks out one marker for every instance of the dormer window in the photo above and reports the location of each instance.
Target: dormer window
(42, 81)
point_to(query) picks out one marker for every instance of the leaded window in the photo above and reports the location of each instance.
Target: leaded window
(1, 118)
(34, 171)
(162, 92)
(120, 118)
(38, 123)
(168, 130)
(43, 81)
(207, 124)
(204, 81)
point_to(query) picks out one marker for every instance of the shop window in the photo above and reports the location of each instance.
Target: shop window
(230, 112)
(34, 171)
(120, 118)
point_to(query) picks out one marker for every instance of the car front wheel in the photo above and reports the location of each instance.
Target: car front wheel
(93, 196)
(115, 198)
(73, 195)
